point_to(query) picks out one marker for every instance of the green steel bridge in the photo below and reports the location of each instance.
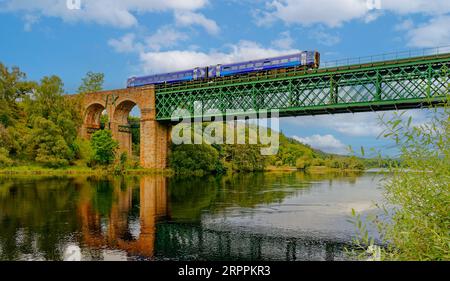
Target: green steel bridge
(393, 84)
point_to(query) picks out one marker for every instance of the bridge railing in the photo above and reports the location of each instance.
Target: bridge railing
(412, 53)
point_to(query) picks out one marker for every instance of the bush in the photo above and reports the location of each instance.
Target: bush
(120, 168)
(303, 163)
(83, 150)
(5, 161)
(104, 147)
(417, 189)
(191, 158)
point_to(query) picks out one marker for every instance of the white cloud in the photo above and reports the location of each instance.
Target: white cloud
(285, 41)
(405, 25)
(29, 20)
(434, 33)
(334, 13)
(166, 36)
(325, 38)
(354, 125)
(125, 44)
(430, 7)
(117, 13)
(326, 143)
(188, 18)
(306, 12)
(163, 61)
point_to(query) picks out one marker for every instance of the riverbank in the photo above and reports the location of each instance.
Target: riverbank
(312, 169)
(76, 170)
(83, 170)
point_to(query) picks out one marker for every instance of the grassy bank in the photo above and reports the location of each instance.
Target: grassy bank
(75, 170)
(83, 170)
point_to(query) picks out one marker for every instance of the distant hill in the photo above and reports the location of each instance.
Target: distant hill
(292, 154)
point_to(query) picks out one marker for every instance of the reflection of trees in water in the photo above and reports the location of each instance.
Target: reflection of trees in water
(188, 197)
(36, 215)
(39, 215)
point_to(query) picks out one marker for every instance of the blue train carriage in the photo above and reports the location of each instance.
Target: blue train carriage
(307, 59)
(168, 78)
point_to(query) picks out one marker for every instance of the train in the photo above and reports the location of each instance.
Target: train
(304, 60)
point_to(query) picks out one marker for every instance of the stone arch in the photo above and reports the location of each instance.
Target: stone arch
(120, 121)
(92, 116)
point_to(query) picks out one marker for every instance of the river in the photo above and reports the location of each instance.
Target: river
(260, 216)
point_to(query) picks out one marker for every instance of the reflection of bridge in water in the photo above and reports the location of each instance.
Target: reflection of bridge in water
(194, 242)
(159, 238)
(117, 236)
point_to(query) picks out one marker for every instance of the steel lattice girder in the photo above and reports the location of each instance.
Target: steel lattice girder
(404, 84)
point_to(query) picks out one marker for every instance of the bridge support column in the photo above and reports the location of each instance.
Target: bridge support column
(154, 141)
(123, 137)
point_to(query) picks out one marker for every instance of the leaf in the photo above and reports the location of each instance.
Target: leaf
(396, 123)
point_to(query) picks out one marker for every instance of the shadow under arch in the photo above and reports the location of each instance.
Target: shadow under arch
(92, 117)
(123, 127)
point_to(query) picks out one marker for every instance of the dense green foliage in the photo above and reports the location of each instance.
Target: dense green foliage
(248, 158)
(417, 191)
(135, 134)
(38, 124)
(190, 158)
(104, 147)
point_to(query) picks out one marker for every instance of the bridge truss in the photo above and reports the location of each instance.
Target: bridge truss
(386, 85)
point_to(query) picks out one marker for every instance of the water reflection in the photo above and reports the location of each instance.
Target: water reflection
(108, 217)
(285, 216)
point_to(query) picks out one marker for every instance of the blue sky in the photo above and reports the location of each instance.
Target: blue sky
(136, 37)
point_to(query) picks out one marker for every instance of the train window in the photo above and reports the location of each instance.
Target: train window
(227, 68)
(275, 62)
(267, 63)
(258, 64)
(284, 60)
(250, 65)
(242, 67)
(294, 59)
(234, 68)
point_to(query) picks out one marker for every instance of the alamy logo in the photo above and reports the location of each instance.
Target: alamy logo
(73, 4)
(373, 4)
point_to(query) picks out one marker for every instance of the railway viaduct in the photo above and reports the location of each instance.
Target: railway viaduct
(408, 83)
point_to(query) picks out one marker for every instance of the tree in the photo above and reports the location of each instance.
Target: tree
(93, 82)
(188, 158)
(47, 144)
(12, 88)
(104, 147)
(48, 107)
(303, 163)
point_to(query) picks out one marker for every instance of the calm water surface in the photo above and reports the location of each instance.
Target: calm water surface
(266, 216)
